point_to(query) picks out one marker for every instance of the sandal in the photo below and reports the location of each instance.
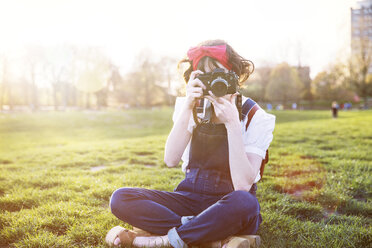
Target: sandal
(126, 236)
(230, 242)
(254, 240)
(236, 242)
(242, 241)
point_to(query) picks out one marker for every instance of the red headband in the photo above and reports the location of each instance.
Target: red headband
(195, 54)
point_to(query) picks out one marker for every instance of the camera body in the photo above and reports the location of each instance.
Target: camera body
(219, 82)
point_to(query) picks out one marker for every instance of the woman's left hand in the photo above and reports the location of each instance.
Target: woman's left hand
(225, 109)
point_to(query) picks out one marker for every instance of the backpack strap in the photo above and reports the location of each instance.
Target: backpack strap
(263, 163)
(249, 108)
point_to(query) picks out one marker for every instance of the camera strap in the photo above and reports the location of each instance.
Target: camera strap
(204, 106)
(202, 111)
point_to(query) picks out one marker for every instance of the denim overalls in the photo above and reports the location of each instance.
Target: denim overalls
(204, 207)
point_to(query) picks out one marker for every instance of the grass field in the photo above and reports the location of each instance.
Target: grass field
(58, 170)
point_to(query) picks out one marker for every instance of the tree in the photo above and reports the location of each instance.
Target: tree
(256, 85)
(146, 84)
(92, 71)
(5, 89)
(359, 77)
(253, 88)
(34, 59)
(168, 67)
(304, 74)
(330, 85)
(284, 84)
(143, 85)
(57, 62)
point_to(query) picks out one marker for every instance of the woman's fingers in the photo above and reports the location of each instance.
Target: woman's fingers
(211, 99)
(193, 74)
(233, 97)
(193, 81)
(217, 112)
(195, 89)
(196, 94)
(217, 106)
(196, 83)
(217, 99)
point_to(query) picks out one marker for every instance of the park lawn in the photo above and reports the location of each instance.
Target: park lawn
(58, 170)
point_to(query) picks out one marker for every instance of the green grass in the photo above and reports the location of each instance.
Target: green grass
(58, 171)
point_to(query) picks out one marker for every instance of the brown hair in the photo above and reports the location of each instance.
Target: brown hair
(241, 66)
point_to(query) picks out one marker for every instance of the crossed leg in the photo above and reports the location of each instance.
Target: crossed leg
(153, 210)
(160, 212)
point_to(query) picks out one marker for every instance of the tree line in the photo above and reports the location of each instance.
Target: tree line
(349, 80)
(85, 77)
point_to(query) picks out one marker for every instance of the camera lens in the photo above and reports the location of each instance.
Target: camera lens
(219, 87)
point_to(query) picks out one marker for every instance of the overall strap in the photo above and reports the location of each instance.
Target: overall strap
(249, 108)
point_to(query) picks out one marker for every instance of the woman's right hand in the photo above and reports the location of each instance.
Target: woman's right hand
(194, 89)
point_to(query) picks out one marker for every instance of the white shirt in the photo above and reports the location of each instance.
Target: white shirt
(256, 138)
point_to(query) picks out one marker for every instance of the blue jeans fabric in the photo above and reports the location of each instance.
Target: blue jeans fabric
(218, 210)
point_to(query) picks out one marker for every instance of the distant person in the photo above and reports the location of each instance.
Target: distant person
(223, 158)
(269, 107)
(348, 106)
(294, 106)
(335, 107)
(279, 107)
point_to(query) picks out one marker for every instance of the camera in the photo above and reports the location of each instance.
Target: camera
(219, 82)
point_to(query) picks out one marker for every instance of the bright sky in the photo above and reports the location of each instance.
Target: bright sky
(266, 31)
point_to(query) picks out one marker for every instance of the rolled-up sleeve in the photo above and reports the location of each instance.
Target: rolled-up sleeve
(259, 134)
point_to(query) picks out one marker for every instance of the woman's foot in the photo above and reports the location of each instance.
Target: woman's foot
(120, 236)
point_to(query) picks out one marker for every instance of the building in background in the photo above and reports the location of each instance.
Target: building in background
(361, 29)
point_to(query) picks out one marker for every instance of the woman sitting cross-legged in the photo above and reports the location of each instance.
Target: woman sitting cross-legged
(222, 154)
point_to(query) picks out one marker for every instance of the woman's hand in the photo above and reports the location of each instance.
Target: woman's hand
(225, 109)
(194, 89)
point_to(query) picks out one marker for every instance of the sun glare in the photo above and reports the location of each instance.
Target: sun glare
(307, 32)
